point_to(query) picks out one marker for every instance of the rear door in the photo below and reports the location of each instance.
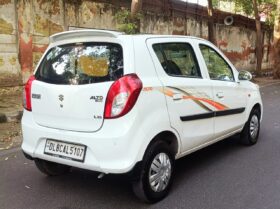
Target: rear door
(188, 94)
(71, 85)
(230, 116)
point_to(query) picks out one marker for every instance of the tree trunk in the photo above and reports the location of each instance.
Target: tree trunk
(211, 34)
(276, 44)
(136, 6)
(259, 40)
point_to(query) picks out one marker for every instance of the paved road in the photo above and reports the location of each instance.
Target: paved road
(223, 176)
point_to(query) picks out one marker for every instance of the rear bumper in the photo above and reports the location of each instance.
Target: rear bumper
(27, 156)
(108, 150)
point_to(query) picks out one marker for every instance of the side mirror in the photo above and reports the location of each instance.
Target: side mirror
(244, 75)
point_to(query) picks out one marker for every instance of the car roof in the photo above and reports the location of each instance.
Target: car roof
(108, 33)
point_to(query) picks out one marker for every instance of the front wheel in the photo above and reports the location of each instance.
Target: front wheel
(156, 174)
(250, 132)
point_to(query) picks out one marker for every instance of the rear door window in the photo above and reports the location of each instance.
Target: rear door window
(177, 59)
(81, 63)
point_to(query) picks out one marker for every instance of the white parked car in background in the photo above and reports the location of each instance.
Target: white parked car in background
(116, 103)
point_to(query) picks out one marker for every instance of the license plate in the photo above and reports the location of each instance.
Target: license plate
(75, 152)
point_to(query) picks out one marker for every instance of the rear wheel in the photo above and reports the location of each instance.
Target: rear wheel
(155, 177)
(250, 132)
(50, 168)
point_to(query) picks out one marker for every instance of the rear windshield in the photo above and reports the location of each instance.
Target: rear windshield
(82, 63)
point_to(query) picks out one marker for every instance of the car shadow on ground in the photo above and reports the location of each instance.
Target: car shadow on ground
(81, 185)
(201, 159)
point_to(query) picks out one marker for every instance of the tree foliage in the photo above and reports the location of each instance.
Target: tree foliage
(126, 22)
(255, 9)
(267, 7)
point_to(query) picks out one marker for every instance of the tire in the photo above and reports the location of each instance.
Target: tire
(158, 162)
(50, 168)
(250, 133)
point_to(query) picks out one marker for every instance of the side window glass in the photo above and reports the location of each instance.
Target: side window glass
(177, 59)
(218, 68)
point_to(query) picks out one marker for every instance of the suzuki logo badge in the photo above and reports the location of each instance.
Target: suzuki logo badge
(61, 97)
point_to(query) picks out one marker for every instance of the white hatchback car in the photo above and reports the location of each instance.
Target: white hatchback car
(116, 103)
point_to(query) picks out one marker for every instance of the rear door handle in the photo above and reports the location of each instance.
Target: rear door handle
(177, 97)
(220, 95)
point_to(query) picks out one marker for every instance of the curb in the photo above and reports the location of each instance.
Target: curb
(14, 116)
(269, 84)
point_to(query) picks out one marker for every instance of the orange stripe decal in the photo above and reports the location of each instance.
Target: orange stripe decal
(214, 104)
(147, 88)
(199, 100)
(208, 101)
(168, 92)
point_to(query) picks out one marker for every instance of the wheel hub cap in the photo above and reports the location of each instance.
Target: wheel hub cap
(254, 126)
(160, 172)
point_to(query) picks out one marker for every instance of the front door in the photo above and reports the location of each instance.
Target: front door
(227, 92)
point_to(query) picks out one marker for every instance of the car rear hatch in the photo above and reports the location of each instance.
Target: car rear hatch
(71, 85)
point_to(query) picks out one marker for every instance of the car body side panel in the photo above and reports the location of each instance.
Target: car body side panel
(194, 99)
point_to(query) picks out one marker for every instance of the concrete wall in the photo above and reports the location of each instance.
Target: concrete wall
(25, 26)
(37, 20)
(238, 43)
(9, 63)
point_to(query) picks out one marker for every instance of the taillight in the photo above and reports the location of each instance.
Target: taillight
(27, 94)
(122, 96)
